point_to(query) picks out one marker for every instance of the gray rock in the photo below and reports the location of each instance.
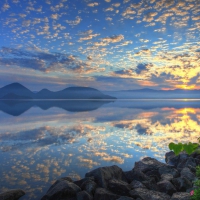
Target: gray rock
(103, 174)
(63, 189)
(167, 177)
(103, 194)
(153, 174)
(174, 160)
(80, 182)
(119, 187)
(89, 186)
(137, 184)
(135, 174)
(83, 195)
(181, 196)
(146, 194)
(12, 194)
(125, 198)
(168, 170)
(181, 184)
(147, 164)
(166, 187)
(185, 163)
(188, 174)
(168, 156)
(151, 185)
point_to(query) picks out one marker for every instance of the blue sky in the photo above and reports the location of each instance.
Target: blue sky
(107, 44)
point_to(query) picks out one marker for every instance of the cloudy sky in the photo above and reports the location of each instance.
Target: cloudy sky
(106, 44)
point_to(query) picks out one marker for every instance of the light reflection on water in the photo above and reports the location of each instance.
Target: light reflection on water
(39, 146)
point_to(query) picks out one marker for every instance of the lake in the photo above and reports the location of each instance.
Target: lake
(41, 141)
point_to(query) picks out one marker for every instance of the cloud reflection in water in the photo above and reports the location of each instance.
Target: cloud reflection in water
(39, 146)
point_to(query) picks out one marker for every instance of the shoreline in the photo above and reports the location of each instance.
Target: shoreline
(149, 179)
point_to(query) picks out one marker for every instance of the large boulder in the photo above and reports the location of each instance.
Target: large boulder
(167, 177)
(61, 189)
(89, 186)
(135, 174)
(125, 198)
(103, 194)
(186, 163)
(188, 174)
(181, 196)
(172, 159)
(168, 170)
(119, 187)
(181, 184)
(81, 181)
(103, 174)
(83, 195)
(166, 187)
(12, 194)
(147, 164)
(137, 184)
(146, 194)
(151, 185)
(154, 174)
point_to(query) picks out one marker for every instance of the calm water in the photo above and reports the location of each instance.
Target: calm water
(41, 141)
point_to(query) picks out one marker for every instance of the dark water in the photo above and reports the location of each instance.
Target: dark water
(41, 141)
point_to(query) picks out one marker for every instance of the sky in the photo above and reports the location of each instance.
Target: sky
(106, 44)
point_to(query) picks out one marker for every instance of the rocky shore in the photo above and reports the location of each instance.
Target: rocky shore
(148, 180)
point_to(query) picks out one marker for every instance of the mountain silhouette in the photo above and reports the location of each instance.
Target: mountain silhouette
(17, 91)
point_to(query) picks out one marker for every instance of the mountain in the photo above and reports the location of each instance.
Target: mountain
(147, 93)
(17, 91)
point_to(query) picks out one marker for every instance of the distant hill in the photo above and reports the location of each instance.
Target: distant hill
(147, 93)
(16, 91)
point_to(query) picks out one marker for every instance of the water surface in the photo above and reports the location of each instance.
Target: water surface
(41, 141)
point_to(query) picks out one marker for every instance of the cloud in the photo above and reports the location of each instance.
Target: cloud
(93, 4)
(113, 39)
(45, 61)
(74, 22)
(5, 7)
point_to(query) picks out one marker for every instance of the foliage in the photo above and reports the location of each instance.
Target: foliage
(196, 195)
(189, 148)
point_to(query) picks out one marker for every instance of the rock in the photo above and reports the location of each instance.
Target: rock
(172, 159)
(147, 164)
(89, 186)
(135, 175)
(12, 194)
(168, 156)
(103, 194)
(167, 177)
(137, 184)
(103, 174)
(119, 187)
(168, 170)
(146, 194)
(153, 174)
(151, 185)
(166, 187)
(125, 198)
(63, 189)
(181, 184)
(188, 174)
(83, 195)
(185, 163)
(80, 182)
(192, 169)
(181, 196)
